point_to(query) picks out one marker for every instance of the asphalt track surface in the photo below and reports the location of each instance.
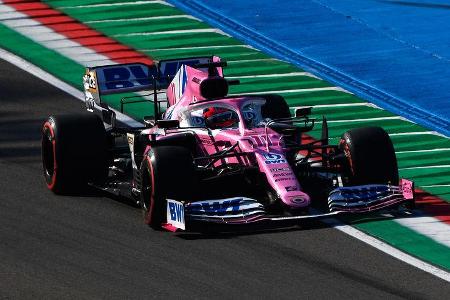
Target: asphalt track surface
(98, 247)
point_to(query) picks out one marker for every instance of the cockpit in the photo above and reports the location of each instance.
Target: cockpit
(219, 115)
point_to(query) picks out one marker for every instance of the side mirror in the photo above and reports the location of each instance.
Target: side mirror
(216, 87)
(168, 123)
(302, 111)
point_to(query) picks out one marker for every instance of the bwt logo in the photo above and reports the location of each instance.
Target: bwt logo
(176, 212)
(127, 76)
(138, 75)
(216, 207)
(273, 158)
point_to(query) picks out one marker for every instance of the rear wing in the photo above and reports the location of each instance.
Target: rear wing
(114, 79)
(135, 77)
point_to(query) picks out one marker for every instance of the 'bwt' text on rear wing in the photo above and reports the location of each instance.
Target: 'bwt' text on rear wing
(133, 77)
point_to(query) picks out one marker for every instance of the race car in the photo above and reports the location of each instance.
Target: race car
(206, 157)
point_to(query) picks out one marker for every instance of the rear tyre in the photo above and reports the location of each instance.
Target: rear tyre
(275, 107)
(74, 152)
(370, 157)
(167, 172)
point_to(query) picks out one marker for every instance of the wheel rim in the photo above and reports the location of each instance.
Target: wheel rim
(147, 191)
(48, 155)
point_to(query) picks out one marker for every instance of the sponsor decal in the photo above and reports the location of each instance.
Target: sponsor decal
(175, 214)
(90, 90)
(261, 140)
(90, 81)
(407, 188)
(273, 158)
(137, 76)
(206, 141)
(215, 207)
(178, 83)
(124, 77)
(282, 174)
(284, 179)
(291, 188)
(279, 170)
(130, 139)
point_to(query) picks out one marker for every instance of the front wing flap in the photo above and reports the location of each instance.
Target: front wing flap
(366, 198)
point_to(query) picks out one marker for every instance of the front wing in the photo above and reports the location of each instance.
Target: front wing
(243, 210)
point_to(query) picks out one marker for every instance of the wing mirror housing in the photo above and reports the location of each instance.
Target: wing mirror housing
(302, 111)
(166, 124)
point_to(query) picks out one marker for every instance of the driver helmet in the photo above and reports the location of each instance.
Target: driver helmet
(219, 117)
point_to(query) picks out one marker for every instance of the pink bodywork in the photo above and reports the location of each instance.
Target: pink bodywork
(184, 94)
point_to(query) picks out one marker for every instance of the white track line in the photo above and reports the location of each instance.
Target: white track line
(367, 120)
(338, 105)
(425, 167)
(332, 88)
(382, 246)
(175, 32)
(274, 75)
(197, 47)
(425, 150)
(237, 61)
(142, 19)
(419, 133)
(117, 4)
(56, 82)
(435, 185)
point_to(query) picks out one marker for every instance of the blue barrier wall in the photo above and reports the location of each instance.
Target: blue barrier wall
(393, 53)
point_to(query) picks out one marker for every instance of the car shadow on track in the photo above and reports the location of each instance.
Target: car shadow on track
(212, 231)
(19, 137)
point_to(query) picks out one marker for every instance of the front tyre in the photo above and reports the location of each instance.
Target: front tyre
(370, 157)
(167, 172)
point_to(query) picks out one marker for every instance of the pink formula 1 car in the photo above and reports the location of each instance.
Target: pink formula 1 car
(214, 158)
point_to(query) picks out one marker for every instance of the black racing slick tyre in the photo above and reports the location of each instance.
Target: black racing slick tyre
(275, 107)
(74, 152)
(167, 172)
(370, 157)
